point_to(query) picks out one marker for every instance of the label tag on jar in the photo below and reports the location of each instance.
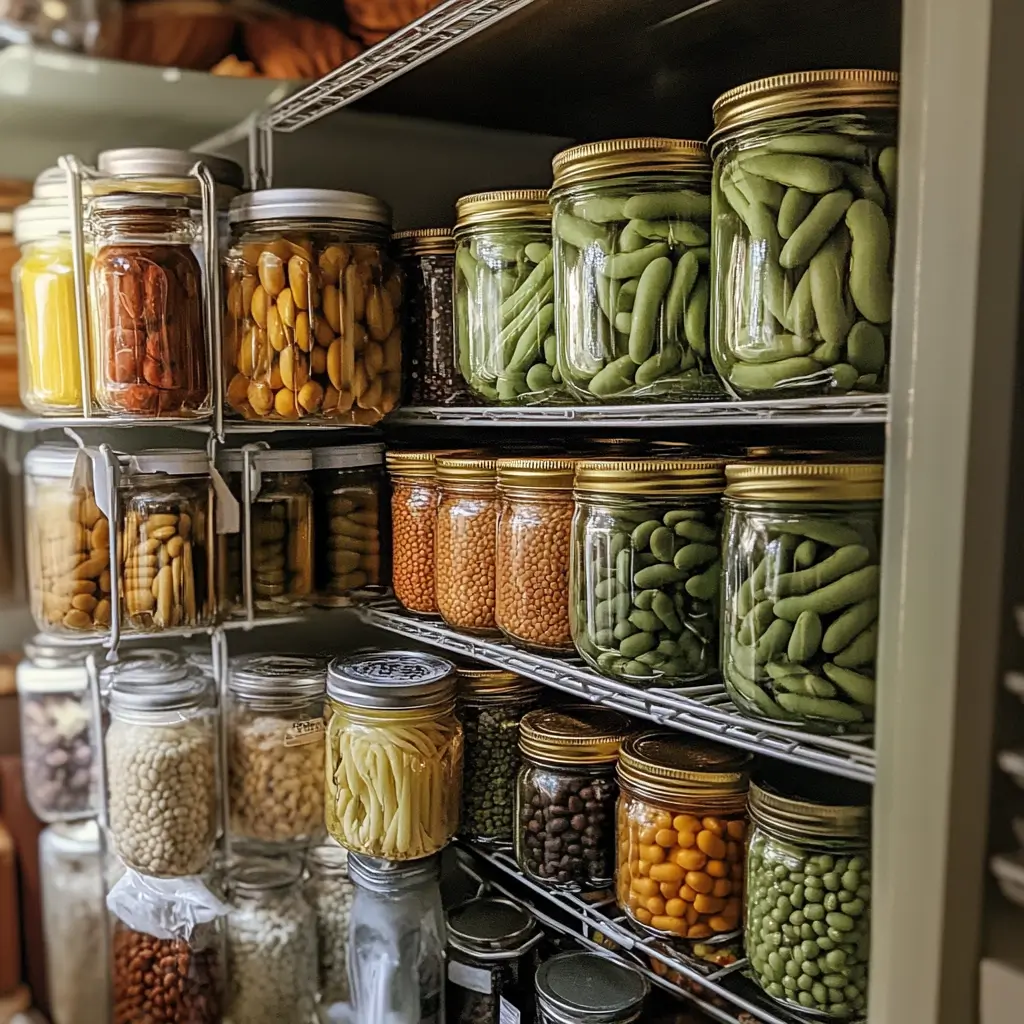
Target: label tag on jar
(298, 734)
(507, 1013)
(227, 509)
(473, 978)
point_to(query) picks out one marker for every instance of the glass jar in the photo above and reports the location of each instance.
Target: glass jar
(565, 795)
(505, 296)
(587, 988)
(492, 958)
(67, 545)
(166, 573)
(804, 191)
(808, 914)
(489, 704)
(465, 555)
(271, 945)
(347, 506)
(149, 354)
(801, 546)
(73, 908)
(394, 754)
(681, 826)
(58, 743)
(161, 767)
(84, 26)
(414, 499)
(313, 305)
(632, 221)
(330, 892)
(276, 748)
(534, 530)
(645, 568)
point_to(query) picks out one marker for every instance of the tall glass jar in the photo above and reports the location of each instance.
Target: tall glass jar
(347, 514)
(276, 748)
(632, 220)
(808, 914)
(271, 945)
(394, 754)
(67, 545)
(414, 498)
(490, 704)
(71, 875)
(800, 593)
(587, 988)
(645, 569)
(166, 572)
(565, 795)
(465, 556)
(681, 826)
(330, 893)
(505, 296)
(804, 208)
(312, 325)
(58, 741)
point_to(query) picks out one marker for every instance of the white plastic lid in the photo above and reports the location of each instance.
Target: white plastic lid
(316, 203)
(51, 460)
(38, 219)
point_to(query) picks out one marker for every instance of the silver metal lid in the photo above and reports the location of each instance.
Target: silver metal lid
(404, 680)
(383, 875)
(487, 925)
(278, 203)
(146, 667)
(278, 460)
(199, 657)
(348, 456)
(38, 220)
(258, 874)
(153, 161)
(80, 838)
(47, 652)
(590, 987)
(51, 460)
(276, 675)
(140, 696)
(169, 462)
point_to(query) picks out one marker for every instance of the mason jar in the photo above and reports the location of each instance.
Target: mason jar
(808, 914)
(394, 754)
(330, 893)
(312, 328)
(414, 498)
(586, 988)
(490, 704)
(632, 227)
(565, 795)
(505, 296)
(804, 209)
(645, 567)
(801, 545)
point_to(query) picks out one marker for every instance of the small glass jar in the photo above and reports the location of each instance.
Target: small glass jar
(804, 208)
(681, 826)
(490, 704)
(587, 988)
(71, 877)
(330, 892)
(492, 958)
(67, 545)
(414, 499)
(276, 748)
(394, 754)
(83, 26)
(808, 913)
(465, 555)
(312, 325)
(166, 572)
(565, 796)
(632, 226)
(161, 766)
(58, 742)
(646, 562)
(801, 546)
(271, 945)
(347, 514)
(534, 531)
(505, 296)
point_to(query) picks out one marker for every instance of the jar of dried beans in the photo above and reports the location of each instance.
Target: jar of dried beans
(414, 497)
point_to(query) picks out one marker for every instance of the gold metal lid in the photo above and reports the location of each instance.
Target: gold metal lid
(417, 463)
(424, 241)
(484, 681)
(651, 476)
(502, 207)
(577, 734)
(806, 481)
(845, 815)
(537, 474)
(595, 160)
(466, 469)
(805, 92)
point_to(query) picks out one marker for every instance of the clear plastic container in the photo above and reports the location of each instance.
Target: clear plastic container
(330, 893)
(312, 329)
(804, 211)
(800, 592)
(587, 988)
(632, 226)
(414, 499)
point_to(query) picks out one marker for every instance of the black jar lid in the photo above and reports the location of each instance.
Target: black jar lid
(583, 986)
(490, 928)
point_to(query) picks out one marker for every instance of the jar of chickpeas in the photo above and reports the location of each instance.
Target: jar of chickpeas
(681, 826)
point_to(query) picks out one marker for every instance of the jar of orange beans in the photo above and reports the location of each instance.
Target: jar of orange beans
(413, 515)
(681, 827)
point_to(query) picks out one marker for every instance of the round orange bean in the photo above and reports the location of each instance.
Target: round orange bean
(715, 825)
(687, 840)
(736, 829)
(644, 886)
(666, 837)
(712, 845)
(663, 819)
(669, 924)
(688, 894)
(717, 868)
(691, 860)
(669, 889)
(676, 908)
(705, 905)
(692, 917)
(686, 823)
(646, 835)
(634, 868)
(723, 887)
(721, 924)
(669, 873)
(698, 881)
(733, 852)
(733, 908)
(633, 901)
(652, 854)
(655, 904)
(699, 931)
(642, 915)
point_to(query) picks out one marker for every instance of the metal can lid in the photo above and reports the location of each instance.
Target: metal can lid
(157, 162)
(141, 696)
(538, 474)
(654, 477)
(148, 666)
(391, 680)
(348, 456)
(424, 241)
(382, 875)
(806, 481)
(277, 675)
(799, 805)
(52, 460)
(609, 158)
(38, 220)
(596, 987)
(490, 925)
(169, 462)
(576, 734)
(315, 203)
(504, 207)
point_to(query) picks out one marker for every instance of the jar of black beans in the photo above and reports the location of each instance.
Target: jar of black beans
(565, 796)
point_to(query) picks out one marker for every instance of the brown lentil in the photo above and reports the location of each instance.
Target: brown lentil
(413, 515)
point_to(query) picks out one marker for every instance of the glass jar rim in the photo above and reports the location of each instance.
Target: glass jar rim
(610, 158)
(44, 651)
(259, 874)
(502, 207)
(491, 927)
(381, 876)
(806, 481)
(803, 810)
(260, 676)
(74, 837)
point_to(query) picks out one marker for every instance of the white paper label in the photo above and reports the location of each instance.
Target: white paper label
(472, 978)
(507, 1013)
(298, 734)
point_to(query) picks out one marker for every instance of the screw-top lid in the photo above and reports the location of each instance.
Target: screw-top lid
(391, 680)
(314, 203)
(260, 874)
(502, 207)
(348, 456)
(424, 242)
(580, 986)
(537, 474)
(259, 676)
(56, 460)
(485, 681)
(51, 184)
(654, 477)
(418, 463)
(48, 652)
(806, 481)
(383, 875)
(139, 696)
(146, 665)
(490, 928)
(156, 163)
(36, 221)
(455, 469)
(169, 462)
(577, 734)
(611, 157)
(796, 805)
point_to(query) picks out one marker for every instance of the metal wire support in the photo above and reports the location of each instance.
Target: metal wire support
(221, 678)
(75, 173)
(248, 470)
(261, 154)
(112, 473)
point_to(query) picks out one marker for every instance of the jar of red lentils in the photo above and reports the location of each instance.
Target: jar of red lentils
(535, 508)
(465, 564)
(413, 514)
(681, 825)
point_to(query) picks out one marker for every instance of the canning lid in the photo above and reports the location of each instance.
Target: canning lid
(411, 463)
(502, 207)
(258, 874)
(391, 680)
(537, 474)
(797, 806)
(141, 696)
(148, 666)
(36, 221)
(593, 161)
(169, 462)
(57, 460)
(384, 875)
(589, 987)
(259, 676)
(806, 481)
(490, 928)
(577, 734)
(348, 456)
(652, 477)
(313, 203)
(169, 165)
(484, 681)
(424, 242)
(463, 469)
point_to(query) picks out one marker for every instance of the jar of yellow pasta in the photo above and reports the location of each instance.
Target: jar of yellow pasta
(394, 754)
